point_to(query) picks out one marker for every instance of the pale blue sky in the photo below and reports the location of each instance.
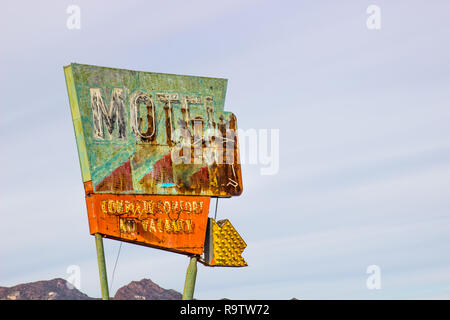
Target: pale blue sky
(364, 141)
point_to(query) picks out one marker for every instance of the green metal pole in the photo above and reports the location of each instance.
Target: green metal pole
(102, 266)
(191, 275)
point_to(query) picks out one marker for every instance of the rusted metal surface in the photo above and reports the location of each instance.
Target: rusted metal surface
(153, 149)
(153, 133)
(173, 223)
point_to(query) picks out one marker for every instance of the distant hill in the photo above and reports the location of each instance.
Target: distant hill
(146, 289)
(60, 289)
(56, 289)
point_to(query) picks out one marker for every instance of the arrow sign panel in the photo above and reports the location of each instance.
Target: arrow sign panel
(223, 245)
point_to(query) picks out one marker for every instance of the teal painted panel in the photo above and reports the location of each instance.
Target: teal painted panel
(153, 133)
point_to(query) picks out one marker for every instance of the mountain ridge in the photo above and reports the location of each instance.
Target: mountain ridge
(60, 289)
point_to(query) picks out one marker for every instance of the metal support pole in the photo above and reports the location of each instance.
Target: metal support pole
(191, 275)
(102, 266)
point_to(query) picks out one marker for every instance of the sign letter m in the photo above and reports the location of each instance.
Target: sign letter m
(113, 118)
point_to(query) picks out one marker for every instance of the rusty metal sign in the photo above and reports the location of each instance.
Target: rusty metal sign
(153, 149)
(153, 133)
(174, 223)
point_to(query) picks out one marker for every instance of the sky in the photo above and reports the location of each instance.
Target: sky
(364, 142)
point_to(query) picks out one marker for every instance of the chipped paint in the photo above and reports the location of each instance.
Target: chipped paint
(153, 133)
(153, 149)
(172, 223)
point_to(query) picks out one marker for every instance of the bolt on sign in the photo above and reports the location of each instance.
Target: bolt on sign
(153, 149)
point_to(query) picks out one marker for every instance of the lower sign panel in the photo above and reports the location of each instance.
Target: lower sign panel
(173, 223)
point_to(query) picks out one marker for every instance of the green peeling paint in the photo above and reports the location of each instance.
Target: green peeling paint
(103, 152)
(77, 124)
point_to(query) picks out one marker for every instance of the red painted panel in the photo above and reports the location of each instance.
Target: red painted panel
(173, 223)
